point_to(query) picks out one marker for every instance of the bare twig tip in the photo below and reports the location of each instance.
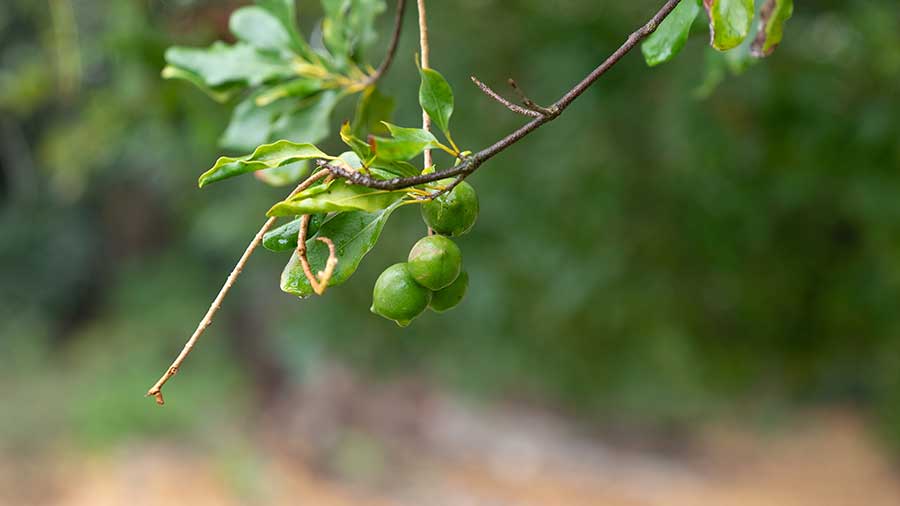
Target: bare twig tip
(155, 390)
(158, 396)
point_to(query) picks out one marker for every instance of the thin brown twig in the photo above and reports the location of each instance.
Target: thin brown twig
(506, 103)
(156, 390)
(425, 50)
(531, 104)
(472, 162)
(392, 46)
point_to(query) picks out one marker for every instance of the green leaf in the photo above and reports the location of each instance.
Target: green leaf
(354, 235)
(715, 71)
(338, 196)
(285, 11)
(352, 159)
(221, 64)
(296, 88)
(267, 156)
(359, 146)
(739, 59)
(672, 33)
(363, 152)
(286, 174)
(405, 144)
(284, 238)
(250, 124)
(220, 93)
(772, 16)
(729, 22)
(373, 108)
(383, 170)
(361, 24)
(719, 64)
(259, 28)
(253, 124)
(310, 122)
(349, 26)
(436, 98)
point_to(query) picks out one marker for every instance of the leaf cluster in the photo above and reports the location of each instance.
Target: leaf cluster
(284, 86)
(732, 30)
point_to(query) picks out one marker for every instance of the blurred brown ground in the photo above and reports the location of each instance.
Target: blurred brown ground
(347, 443)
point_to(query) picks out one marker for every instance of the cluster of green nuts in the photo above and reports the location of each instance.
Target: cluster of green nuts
(432, 277)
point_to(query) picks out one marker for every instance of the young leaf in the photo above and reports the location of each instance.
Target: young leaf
(729, 22)
(259, 28)
(349, 26)
(250, 124)
(297, 88)
(363, 152)
(254, 121)
(284, 238)
(310, 122)
(395, 168)
(286, 174)
(286, 13)
(672, 33)
(719, 64)
(221, 64)
(338, 196)
(267, 156)
(221, 93)
(715, 71)
(436, 98)
(354, 235)
(373, 108)
(772, 16)
(359, 146)
(406, 143)
(361, 24)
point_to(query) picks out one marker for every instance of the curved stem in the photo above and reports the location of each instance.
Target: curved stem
(320, 284)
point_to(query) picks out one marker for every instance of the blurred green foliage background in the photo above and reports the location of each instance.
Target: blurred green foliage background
(667, 251)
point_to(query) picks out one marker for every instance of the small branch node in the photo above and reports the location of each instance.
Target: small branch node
(530, 104)
(506, 103)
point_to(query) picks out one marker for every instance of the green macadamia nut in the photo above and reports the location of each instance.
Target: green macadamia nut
(453, 213)
(397, 296)
(448, 298)
(435, 262)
